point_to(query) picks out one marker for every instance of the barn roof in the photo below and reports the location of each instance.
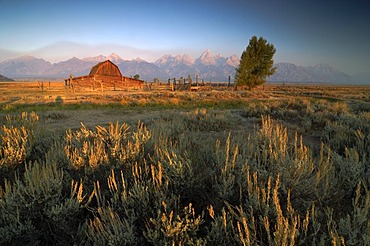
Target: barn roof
(106, 68)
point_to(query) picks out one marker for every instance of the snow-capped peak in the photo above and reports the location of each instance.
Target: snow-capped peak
(163, 60)
(114, 57)
(207, 58)
(100, 58)
(175, 60)
(187, 59)
(138, 59)
(233, 61)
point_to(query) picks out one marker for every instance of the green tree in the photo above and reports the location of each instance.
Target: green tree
(136, 76)
(256, 63)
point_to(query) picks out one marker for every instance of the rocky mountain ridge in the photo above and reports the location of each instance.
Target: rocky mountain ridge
(207, 66)
(322, 73)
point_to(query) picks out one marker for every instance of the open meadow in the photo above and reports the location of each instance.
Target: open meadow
(278, 165)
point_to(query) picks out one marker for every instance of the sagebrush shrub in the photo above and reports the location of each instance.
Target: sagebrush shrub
(200, 177)
(35, 211)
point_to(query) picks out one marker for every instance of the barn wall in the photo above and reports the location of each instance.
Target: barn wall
(106, 82)
(133, 82)
(108, 69)
(105, 76)
(105, 68)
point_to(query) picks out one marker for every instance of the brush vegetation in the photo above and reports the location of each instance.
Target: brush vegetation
(279, 172)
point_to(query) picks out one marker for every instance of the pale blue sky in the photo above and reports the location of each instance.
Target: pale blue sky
(303, 32)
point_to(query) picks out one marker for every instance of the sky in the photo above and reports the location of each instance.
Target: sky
(304, 32)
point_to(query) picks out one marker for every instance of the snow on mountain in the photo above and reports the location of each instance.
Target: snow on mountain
(206, 58)
(187, 60)
(233, 61)
(208, 67)
(96, 59)
(163, 60)
(112, 57)
(138, 59)
(176, 66)
(169, 60)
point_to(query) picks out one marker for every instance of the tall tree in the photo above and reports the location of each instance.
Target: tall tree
(256, 63)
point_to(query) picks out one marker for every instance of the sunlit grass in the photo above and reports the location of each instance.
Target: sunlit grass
(187, 169)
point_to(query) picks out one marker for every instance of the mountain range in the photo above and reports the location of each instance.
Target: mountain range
(208, 67)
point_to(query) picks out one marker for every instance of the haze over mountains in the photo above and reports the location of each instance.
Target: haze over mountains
(208, 66)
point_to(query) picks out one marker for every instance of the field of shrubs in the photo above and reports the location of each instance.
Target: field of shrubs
(266, 172)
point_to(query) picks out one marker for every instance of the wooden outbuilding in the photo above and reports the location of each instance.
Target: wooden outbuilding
(105, 76)
(106, 68)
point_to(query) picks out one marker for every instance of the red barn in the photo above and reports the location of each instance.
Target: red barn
(104, 75)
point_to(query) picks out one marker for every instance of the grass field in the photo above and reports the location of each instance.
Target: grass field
(91, 105)
(278, 165)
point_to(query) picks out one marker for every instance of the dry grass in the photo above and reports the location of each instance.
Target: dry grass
(56, 92)
(280, 165)
(109, 106)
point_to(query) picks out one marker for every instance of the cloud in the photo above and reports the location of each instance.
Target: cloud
(64, 50)
(9, 54)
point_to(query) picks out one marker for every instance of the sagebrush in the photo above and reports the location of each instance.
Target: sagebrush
(200, 177)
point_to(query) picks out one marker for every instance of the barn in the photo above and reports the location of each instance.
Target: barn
(104, 75)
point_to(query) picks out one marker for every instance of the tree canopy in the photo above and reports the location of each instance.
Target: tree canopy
(256, 63)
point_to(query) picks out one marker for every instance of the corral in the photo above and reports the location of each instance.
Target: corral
(104, 75)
